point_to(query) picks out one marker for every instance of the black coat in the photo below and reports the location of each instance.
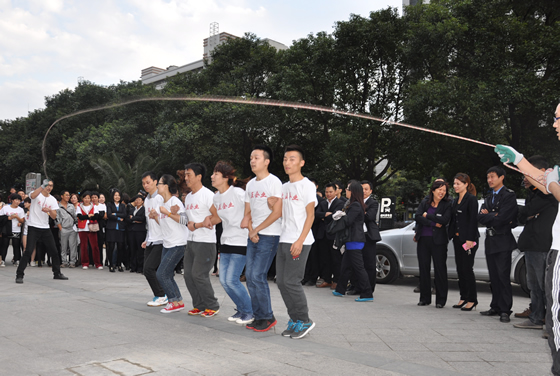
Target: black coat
(136, 222)
(502, 217)
(372, 206)
(355, 223)
(322, 209)
(464, 219)
(113, 214)
(316, 221)
(441, 216)
(538, 216)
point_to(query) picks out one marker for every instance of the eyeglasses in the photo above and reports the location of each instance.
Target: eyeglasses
(556, 118)
(161, 183)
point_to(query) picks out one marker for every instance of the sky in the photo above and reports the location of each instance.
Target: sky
(46, 45)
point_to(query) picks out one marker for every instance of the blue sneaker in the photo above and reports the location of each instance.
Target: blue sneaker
(245, 318)
(364, 299)
(302, 328)
(235, 316)
(335, 293)
(290, 329)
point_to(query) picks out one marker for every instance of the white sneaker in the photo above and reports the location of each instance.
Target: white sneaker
(158, 301)
(3, 264)
(85, 267)
(33, 263)
(100, 268)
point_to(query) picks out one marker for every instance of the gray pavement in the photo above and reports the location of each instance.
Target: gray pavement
(98, 323)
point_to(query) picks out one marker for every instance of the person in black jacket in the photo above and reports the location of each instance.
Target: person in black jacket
(432, 217)
(372, 233)
(499, 214)
(463, 230)
(352, 259)
(136, 219)
(116, 213)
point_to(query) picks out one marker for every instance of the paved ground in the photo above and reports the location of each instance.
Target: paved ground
(98, 323)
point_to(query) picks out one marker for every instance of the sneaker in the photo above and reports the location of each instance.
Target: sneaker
(302, 329)
(85, 267)
(3, 264)
(33, 263)
(245, 319)
(158, 301)
(290, 329)
(235, 316)
(265, 325)
(368, 300)
(527, 324)
(336, 293)
(99, 268)
(170, 307)
(195, 311)
(17, 263)
(60, 276)
(19, 279)
(523, 315)
(252, 324)
(62, 265)
(209, 313)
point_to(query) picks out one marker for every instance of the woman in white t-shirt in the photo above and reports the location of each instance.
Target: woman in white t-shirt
(16, 216)
(87, 215)
(174, 241)
(230, 208)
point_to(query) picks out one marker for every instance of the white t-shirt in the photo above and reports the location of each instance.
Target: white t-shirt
(26, 223)
(37, 217)
(101, 207)
(556, 232)
(295, 197)
(231, 209)
(198, 206)
(256, 194)
(173, 233)
(8, 210)
(86, 210)
(154, 230)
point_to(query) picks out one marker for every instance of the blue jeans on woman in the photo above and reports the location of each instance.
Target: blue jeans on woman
(231, 267)
(259, 258)
(170, 257)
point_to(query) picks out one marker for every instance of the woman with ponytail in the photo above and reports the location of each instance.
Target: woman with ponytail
(463, 230)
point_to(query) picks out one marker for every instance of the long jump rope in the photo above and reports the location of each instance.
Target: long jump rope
(268, 102)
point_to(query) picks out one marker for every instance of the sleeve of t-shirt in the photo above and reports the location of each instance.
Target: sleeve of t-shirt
(215, 200)
(276, 188)
(247, 193)
(55, 204)
(310, 194)
(3, 210)
(209, 200)
(176, 201)
(241, 194)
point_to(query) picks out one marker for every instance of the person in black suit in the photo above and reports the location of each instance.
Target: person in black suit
(136, 219)
(432, 217)
(329, 258)
(312, 267)
(339, 189)
(352, 259)
(463, 230)
(499, 214)
(372, 233)
(116, 213)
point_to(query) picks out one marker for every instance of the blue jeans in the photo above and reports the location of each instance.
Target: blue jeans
(535, 263)
(165, 274)
(231, 267)
(259, 258)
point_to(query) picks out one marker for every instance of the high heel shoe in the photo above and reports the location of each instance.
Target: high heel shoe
(460, 305)
(470, 308)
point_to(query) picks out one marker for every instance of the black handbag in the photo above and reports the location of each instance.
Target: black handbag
(340, 230)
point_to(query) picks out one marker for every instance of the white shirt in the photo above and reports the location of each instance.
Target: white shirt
(556, 233)
(295, 198)
(86, 210)
(231, 209)
(197, 207)
(26, 223)
(37, 217)
(8, 210)
(257, 193)
(172, 232)
(154, 230)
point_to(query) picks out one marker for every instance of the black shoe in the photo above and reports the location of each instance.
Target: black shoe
(504, 317)
(265, 325)
(417, 289)
(19, 279)
(423, 303)
(439, 305)
(490, 312)
(132, 271)
(460, 305)
(60, 276)
(251, 325)
(471, 307)
(120, 269)
(309, 283)
(111, 269)
(352, 292)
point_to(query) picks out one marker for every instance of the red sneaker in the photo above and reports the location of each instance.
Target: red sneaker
(210, 313)
(195, 311)
(170, 307)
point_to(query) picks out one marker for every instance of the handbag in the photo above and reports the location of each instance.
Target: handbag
(93, 226)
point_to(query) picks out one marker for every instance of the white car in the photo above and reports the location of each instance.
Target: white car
(396, 256)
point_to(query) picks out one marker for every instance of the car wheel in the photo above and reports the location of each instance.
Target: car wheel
(386, 265)
(521, 277)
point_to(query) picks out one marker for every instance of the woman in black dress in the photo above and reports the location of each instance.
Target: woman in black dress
(116, 214)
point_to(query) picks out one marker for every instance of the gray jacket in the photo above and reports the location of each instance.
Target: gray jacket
(66, 217)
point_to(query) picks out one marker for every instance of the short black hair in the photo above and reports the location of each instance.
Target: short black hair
(63, 192)
(368, 183)
(27, 199)
(198, 168)
(338, 184)
(538, 161)
(297, 148)
(86, 193)
(266, 151)
(95, 193)
(497, 170)
(331, 185)
(151, 174)
(14, 196)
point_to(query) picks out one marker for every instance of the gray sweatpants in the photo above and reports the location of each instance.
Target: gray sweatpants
(68, 246)
(198, 260)
(289, 274)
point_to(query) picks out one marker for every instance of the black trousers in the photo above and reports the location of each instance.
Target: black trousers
(499, 269)
(135, 240)
(353, 263)
(370, 263)
(100, 243)
(428, 251)
(312, 265)
(465, 272)
(152, 258)
(330, 260)
(16, 246)
(34, 235)
(121, 248)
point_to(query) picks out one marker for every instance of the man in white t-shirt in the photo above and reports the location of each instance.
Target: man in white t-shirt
(154, 241)
(43, 206)
(263, 209)
(200, 251)
(298, 213)
(549, 184)
(15, 216)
